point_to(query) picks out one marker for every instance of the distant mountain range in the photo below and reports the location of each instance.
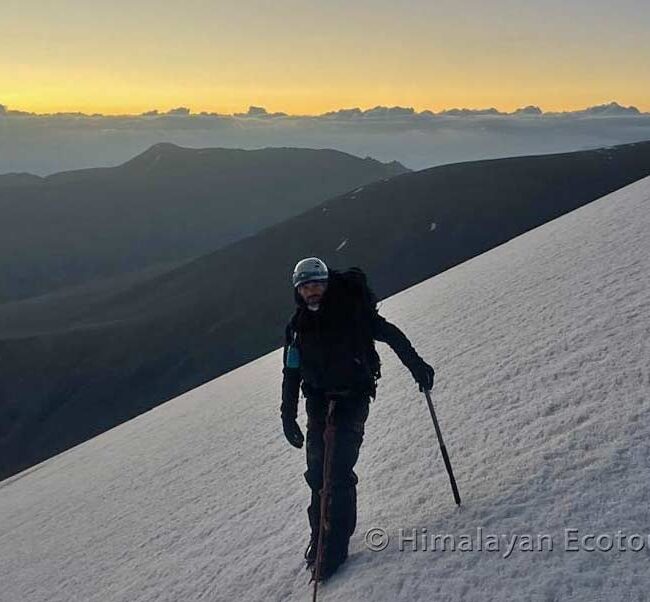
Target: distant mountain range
(162, 207)
(79, 362)
(47, 143)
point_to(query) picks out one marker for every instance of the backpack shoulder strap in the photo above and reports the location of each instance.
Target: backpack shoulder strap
(292, 327)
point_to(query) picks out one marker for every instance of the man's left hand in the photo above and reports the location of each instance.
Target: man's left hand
(423, 375)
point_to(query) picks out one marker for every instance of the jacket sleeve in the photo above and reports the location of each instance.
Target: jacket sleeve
(290, 382)
(383, 330)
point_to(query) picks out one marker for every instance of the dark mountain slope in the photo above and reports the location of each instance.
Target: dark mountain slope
(166, 205)
(86, 368)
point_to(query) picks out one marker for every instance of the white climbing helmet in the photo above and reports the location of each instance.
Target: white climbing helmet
(308, 270)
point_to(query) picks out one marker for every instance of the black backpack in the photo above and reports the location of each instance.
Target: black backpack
(365, 304)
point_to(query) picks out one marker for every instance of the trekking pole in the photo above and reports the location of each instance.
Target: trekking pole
(325, 494)
(443, 449)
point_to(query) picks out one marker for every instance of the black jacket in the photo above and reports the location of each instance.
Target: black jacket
(332, 354)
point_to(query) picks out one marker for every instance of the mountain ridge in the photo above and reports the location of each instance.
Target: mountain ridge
(165, 205)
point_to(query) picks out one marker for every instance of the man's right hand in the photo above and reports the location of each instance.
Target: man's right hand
(292, 432)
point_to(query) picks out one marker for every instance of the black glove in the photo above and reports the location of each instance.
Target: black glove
(292, 432)
(423, 375)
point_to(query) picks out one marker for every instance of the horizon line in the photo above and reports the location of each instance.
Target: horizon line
(606, 108)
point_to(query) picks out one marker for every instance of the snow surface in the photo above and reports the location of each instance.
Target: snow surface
(542, 358)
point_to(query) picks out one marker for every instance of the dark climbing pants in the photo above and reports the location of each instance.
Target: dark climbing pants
(350, 416)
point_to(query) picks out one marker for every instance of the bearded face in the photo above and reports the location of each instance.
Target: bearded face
(312, 293)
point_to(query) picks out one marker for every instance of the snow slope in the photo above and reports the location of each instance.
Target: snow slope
(542, 354)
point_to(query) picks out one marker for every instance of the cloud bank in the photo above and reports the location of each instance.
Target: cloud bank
(48, 143)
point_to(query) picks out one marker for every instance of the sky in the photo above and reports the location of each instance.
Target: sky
(306, 58)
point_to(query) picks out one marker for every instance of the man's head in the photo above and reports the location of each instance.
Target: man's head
(310, 281)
